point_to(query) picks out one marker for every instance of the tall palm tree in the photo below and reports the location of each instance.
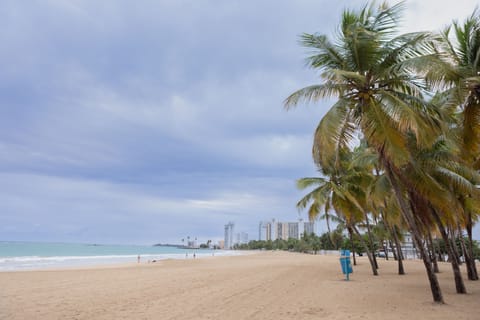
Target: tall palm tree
(379, 198)
(440, 179)
(376, 77)
(385, 207)
(463, 51)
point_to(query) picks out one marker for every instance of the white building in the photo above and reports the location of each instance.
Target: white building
(271, 230)
(284, 230)
(308, 227)
(228, 242)
(408, 247)
(293, 228)
(262, 230)
(241, 238)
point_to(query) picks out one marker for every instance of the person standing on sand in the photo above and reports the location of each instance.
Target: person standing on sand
(138, 259)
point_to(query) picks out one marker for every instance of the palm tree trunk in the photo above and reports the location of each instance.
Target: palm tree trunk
(397, 253)
(462, 244)
(471, 267)
(370, 239)
(469, 261)
(398, 247)
(433, 257)
(327, 219)
(350, 233)
(416, 235)
(369, 253)
(455, 254)
(385, 248)
(459, 284)
(453, 243)
(440, 253)
(390, 243)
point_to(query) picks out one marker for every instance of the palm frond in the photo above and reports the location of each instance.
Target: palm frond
(383, 133)
(324, 54)
(407, 117)
(319, 195)
(333, 133)
(313, 211)
(304, 183)
(459, 183)
(314, 93)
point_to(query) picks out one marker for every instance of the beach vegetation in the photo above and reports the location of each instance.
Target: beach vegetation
(461, 42)
(309, 243)
(399, 148)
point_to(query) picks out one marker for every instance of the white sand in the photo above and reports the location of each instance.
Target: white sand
(267, 285)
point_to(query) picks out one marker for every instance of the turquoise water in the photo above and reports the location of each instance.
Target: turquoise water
(31, 255)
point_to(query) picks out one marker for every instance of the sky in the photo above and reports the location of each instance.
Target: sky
(142, 122)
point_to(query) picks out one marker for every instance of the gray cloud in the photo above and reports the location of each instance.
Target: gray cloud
(150, 121)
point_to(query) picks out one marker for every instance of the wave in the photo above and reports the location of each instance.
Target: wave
(39, 262)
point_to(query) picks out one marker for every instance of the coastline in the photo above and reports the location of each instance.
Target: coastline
(36, 256)
(264, 285)
(132, 263)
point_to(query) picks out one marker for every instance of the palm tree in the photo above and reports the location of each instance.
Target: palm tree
(463, 50)
(379, 199)
(443, 180)
(376, 78)
(385, 207)
(343, 190)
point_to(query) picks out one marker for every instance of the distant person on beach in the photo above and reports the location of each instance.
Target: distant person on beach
(138, 259)
(194, 255)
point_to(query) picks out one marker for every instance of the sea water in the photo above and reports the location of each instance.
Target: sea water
(31, 255)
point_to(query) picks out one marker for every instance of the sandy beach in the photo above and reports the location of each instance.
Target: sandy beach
(266, 285)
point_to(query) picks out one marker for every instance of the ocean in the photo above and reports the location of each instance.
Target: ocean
(16, 256)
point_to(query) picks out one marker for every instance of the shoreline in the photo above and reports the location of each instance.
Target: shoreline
(127, 265)
(122, 265)
(34, 263)
(265, 285)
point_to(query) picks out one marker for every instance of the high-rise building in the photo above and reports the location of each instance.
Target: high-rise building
(241, 238)
(309, 227)
(271, 230)
(284, 230)
(262, 230)
(279, 231)
(244, 238)
(229, 228)
(293, 230)
(268, 231)
(301, 228)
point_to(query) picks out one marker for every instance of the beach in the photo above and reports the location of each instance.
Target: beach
(263, 285)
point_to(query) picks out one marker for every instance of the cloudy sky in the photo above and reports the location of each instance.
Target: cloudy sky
(149, 121)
